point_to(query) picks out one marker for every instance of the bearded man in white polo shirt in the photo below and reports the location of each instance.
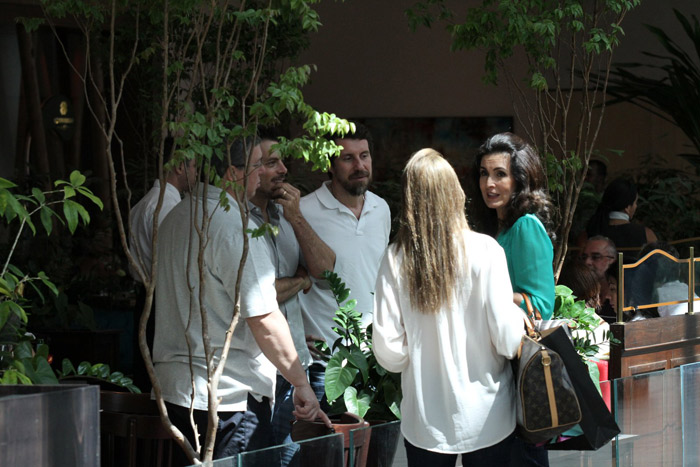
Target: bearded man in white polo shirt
(355, 223)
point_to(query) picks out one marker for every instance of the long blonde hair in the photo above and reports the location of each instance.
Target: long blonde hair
(430, 233)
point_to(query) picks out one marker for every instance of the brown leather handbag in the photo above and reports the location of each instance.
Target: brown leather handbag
(547, 404)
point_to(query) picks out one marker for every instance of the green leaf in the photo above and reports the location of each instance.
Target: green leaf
(359, 405)
(4, 315)
(116, 377)
(76, 179)
(68, 192)
(23, 350)
(45, 217)
(67, 367)
(338, 377)
(5, 183)
(42, 372)
(71, 215)
(83, 368)
(99, 370)
(39, 195)
(358, 360)
(133, 388)
(45, 280)
(88, 194)
(42, 350)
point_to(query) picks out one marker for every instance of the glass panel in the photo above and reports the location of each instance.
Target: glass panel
(49, 425)
(690, 388)
(656, 412)
(648, 411)
(379, 445)
(658, 279)
(325, 451)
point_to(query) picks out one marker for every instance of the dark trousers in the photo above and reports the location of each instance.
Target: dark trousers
(524, 454)
(236, 432)
(496, 455)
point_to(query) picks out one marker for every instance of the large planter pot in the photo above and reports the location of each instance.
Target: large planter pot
(343, 424)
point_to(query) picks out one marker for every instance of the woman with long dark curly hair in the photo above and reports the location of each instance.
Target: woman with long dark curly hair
(516, 209)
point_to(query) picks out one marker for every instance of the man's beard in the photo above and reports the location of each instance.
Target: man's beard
(276, 191)
(356, 188)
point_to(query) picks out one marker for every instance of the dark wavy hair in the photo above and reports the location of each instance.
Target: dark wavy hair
(530, 195)
(619, 194)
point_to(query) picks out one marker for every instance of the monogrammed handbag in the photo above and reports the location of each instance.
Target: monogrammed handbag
(547, 404)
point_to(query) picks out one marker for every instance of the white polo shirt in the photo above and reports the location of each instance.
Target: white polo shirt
(358, 244)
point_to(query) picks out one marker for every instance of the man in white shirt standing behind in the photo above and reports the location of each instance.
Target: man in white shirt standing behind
(178, 180)
(355, 223)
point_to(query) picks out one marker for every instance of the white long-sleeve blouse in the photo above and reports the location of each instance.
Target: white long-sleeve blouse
(457, 382)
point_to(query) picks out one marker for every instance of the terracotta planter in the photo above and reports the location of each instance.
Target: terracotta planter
(344, 424)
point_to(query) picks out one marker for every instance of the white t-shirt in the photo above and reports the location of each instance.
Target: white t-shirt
(141, 224)
(457, 382)
(177, 303)
(358, 245)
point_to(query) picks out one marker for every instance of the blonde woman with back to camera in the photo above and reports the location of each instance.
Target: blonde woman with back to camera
(444, 318)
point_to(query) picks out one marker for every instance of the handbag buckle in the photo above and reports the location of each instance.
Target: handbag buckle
(546, 359)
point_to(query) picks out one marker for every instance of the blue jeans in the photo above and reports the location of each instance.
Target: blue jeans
(282, 417)
(236, 432)
(495, 455)
(317, 380)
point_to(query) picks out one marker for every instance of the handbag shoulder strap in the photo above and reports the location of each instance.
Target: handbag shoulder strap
(531, 311)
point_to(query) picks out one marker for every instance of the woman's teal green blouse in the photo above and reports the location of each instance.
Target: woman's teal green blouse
(529, 254)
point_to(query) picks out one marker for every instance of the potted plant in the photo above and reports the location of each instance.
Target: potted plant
(585, 326)
(355, 381)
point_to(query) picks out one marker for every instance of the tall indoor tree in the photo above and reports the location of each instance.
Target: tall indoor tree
(215, 71)
(568, 47)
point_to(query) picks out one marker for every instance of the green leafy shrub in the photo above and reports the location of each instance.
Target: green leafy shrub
(100, 371)
(20, 362)
(355, 381)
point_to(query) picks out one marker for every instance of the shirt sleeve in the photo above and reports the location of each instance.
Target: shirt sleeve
(531, 259)
(388, 332)
(505, 320)
(257, 291)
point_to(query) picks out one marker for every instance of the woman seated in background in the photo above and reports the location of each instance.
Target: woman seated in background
(613, 218)
(444, 318)
(583, 282)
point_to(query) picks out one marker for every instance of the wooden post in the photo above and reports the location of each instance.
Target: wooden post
(40, 158)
